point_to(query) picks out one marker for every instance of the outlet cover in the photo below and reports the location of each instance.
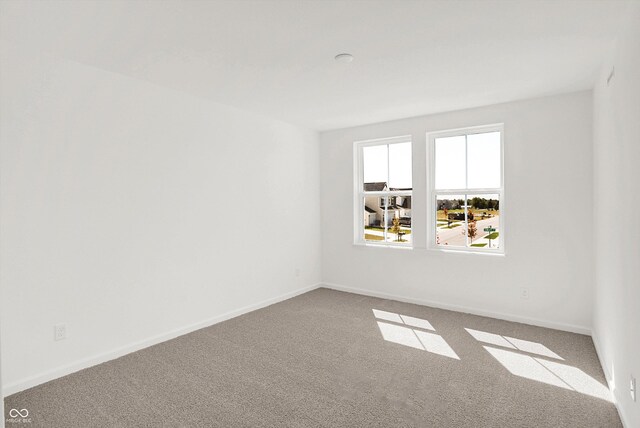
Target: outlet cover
(632, 388)
(524, 293)
(59, 331)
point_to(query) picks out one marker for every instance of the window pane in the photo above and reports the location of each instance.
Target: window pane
(483, 160)
(399, 219)
(400, 166)
(375, 168)
(450, 224)
(484, 215)
(374, 218)
(450, 163)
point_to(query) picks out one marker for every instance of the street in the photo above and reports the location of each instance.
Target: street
(455, 237)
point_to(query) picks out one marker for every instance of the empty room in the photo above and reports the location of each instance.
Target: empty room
(320, 213)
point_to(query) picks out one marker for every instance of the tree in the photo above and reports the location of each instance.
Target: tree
(479, 203)
(395, 228)
(472, 231)
(446, 216)
(446, 204)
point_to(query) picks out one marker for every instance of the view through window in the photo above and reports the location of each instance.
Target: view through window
(385, 192)
(467, 189)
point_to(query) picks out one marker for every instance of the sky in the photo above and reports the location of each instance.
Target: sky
(392, 163)
(397, 157)
(482, 157)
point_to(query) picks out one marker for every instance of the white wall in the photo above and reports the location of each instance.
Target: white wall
(130, 211)
(548, 179)
(616, 325)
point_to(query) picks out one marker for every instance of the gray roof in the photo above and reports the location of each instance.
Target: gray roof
(375, 187)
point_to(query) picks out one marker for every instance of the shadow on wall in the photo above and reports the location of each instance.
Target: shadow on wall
(512, 354)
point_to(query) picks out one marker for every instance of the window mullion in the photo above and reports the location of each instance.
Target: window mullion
(386, 200)
(466, 163)
(466, 185)
(384, 219)
(466, 220)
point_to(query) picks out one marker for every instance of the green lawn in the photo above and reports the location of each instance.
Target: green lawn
(478, 245)
(370, 237)
(381, 229)
(493, 235)
(478, 213)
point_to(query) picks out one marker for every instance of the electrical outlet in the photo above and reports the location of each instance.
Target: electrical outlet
(524, 293)
(59, 331)
(632, 388)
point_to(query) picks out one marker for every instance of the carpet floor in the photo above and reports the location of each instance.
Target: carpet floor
(333, 359)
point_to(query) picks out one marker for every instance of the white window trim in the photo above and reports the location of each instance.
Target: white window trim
(359, 193)
(432, 192)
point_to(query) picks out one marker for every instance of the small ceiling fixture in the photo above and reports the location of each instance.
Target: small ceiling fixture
(344, 57)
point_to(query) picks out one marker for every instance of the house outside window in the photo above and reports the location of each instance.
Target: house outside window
(383, 192)
(466, 189)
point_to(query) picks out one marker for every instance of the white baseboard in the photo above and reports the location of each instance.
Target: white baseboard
(607, 375)
(457, 308)
(84, 363)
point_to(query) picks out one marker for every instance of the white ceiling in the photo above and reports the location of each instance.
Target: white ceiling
(276, 57)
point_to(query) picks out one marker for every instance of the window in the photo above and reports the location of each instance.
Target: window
(383, 192)
(466, 198)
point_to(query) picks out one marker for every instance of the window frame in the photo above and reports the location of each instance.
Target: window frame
(433, 193)
(360, 194)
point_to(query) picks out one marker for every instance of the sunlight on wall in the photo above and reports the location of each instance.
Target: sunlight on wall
(513, 343)
(412, 337)
(612, 381)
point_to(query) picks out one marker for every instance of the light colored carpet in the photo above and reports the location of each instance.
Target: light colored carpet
(321, 360)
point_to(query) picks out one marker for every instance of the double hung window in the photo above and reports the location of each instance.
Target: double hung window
(466, 195)
(384, 192)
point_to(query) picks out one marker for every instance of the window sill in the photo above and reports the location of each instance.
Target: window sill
(372, 245)
(478, 252)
